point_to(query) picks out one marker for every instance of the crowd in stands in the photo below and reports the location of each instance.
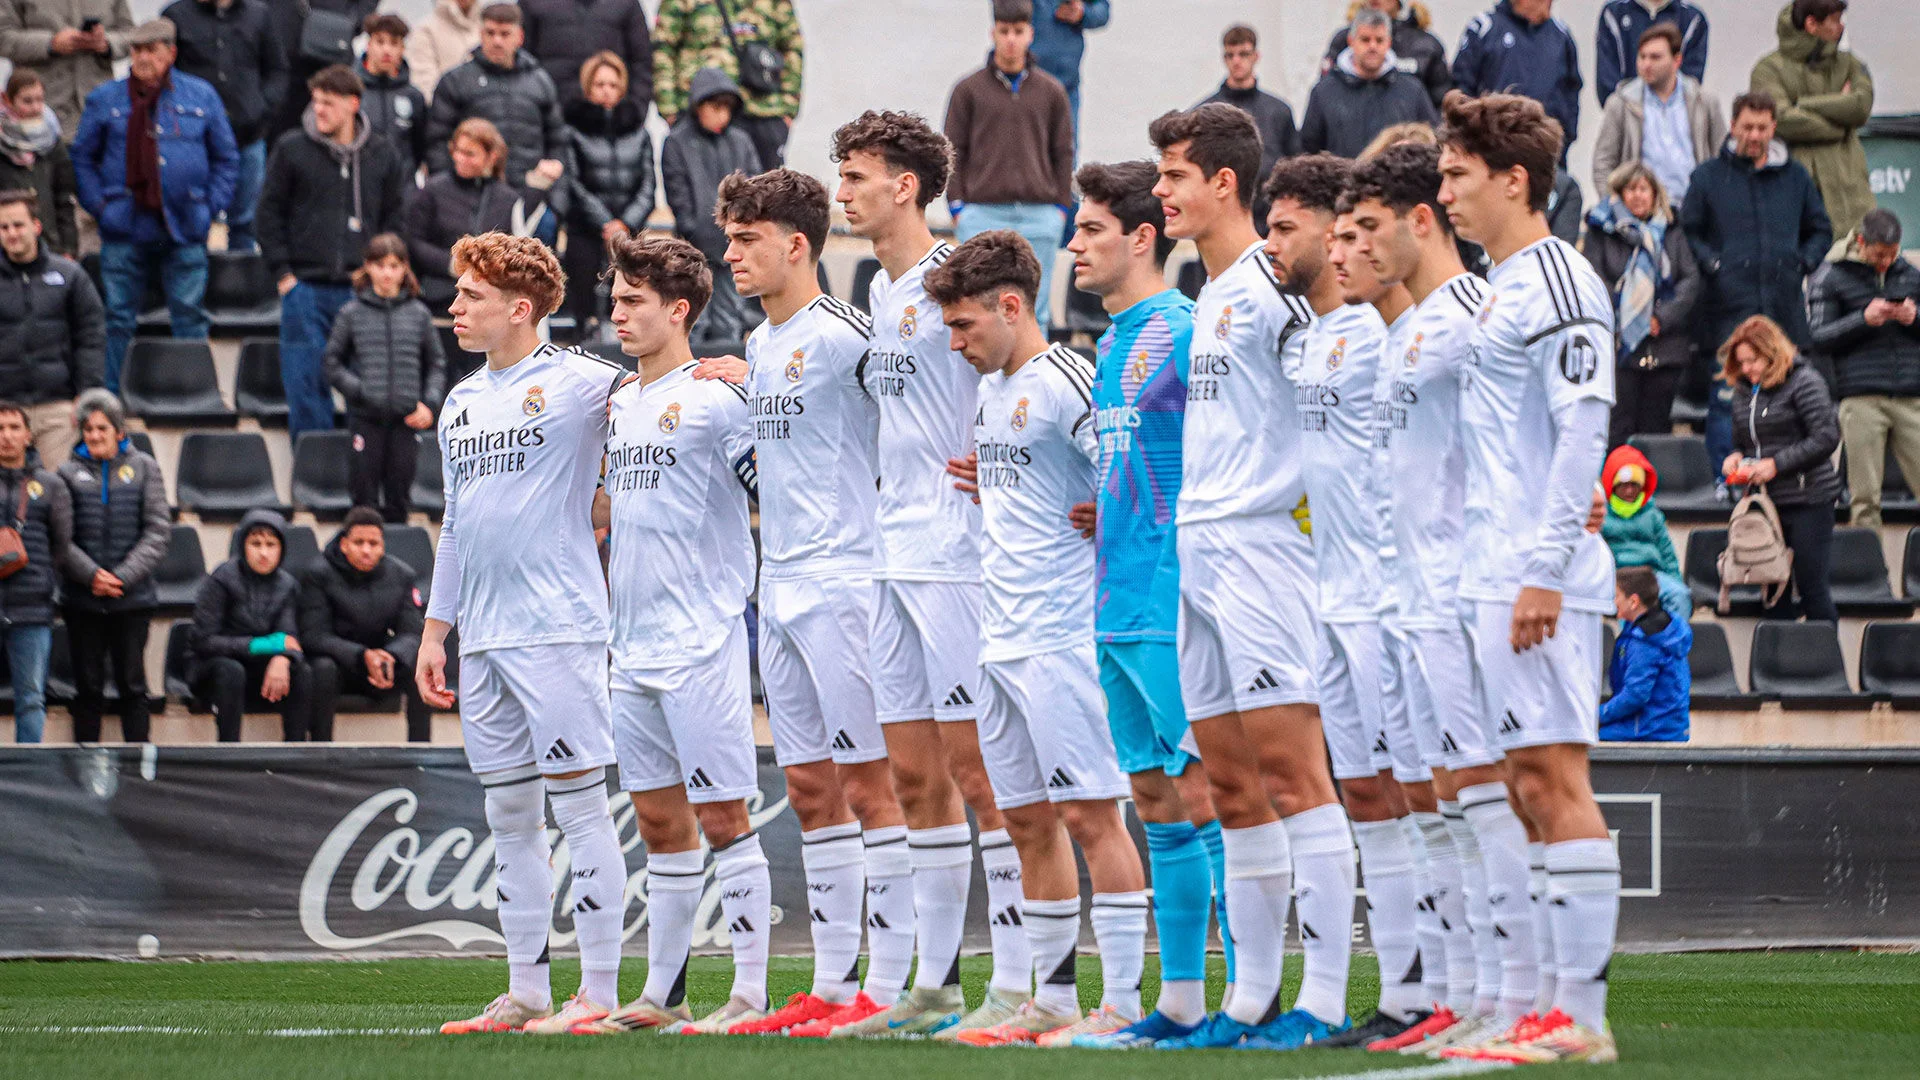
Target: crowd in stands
(1741, 243)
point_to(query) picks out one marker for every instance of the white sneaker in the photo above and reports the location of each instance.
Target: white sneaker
(579, 1009)
(504, 1013)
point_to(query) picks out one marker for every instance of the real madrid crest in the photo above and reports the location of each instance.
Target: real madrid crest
(1413, 350)
(125, 474)
(1225, 326)
(908, 323)
(1020, 415)
(797, 366)
(1140, 366)
(535, 404)
(670, 420)
(1337, 355)
(1486, 309)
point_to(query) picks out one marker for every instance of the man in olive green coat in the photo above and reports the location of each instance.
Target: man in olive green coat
(1825, 96)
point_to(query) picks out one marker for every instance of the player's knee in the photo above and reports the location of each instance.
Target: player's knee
(813, 790)
(579, 802)
(722, 822)
(1366, 798)
(1034, 828)
(870, 789)
(1092, 822)
(515, 801)
(1156, 799)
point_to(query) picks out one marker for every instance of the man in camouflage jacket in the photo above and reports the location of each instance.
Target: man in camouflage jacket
(689, 35)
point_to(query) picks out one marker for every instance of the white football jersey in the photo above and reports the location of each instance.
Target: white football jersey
(1240, 451)
(929, 531)
(1542, 343)
(679, 468)
(1381, 459)
(517, 563)
(814, 427)
(1426, 473)
(1035, 434)
(1333, 396)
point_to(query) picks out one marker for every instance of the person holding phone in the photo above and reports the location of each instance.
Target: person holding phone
(70, 44)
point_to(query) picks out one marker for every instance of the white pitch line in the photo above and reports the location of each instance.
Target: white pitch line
(1436, 1071)
(149, 1029)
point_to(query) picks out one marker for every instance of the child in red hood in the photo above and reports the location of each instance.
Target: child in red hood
(1635, 528)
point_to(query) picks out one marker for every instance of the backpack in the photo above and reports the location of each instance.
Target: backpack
(1757, 551)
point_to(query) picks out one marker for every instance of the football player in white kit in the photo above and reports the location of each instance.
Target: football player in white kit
(814, 430)
(679, 471)
(926, 655)
(1043, 725)
(1248, 632)
(522, 438)
(1535, 583)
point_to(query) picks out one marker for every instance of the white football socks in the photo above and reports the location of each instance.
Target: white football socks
(1542, 927)
(746, 902)
(835, 863)
(1323, 878)
(1485, 985)
(1387, 864)
(1120, 933)
(1427, 926)
(942, 875)
(516, 805)
(1012, 953)
(675, 880)
(1259, 891)
(1053, 930)
(1503, 852)
(1450, 903)
(889, 913)
(1583, 891)
(599, 894)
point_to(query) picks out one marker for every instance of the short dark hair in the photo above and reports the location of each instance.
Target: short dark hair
(1639, 581)
(362, 515)
(7, 405)
(1240, 34)
(1312, 180)
(1505, 130)
(906, 142)
(386, 245)
(503, 13)
(789, 199)
(1218, 136)
(987, 265)
(1661, 31)
(1401, 177)
(666, 264)
(1754, 101)
(1815, 9)
(1880, 226)
(385, 22)
(1013, 11)
(22, 197)
(1125, 188)
(22, 78)
(337, 79)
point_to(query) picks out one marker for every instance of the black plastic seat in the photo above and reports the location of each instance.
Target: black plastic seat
(1686, 476)
(257, 391)
(1714, 684)
(411, 545)
(1701, 565)
(1689, 411)
(427, 496)
(1897, 502)
(168, 382)
(1192, 275)
(1858, 576)
(303, 548)
(1800, 665)
(1890, 663)
(320, 473)
(238, 279)
(225, 474)
(864, 272)
(1910, 563)
(177, 579)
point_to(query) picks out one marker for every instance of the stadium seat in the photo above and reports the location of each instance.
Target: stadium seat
(1858, 576)
(411, 545)
(1799, 665)
(1890, 663)
(225, 474)
(172, 383)
(1689, 411)
(320, 473)
(427, 496)
(256, 390)
(1711, 662)
(1686, 476)
(1701, 565)
(864, 272)
(238, 279)
(1192, 275)
(303, 548)
(1897, 502)
(177, 579)
(1911, 565)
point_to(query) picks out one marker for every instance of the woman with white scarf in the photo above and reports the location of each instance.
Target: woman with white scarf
(1636, 246)
(32, 158)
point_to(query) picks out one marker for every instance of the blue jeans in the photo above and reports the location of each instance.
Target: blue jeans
(246, 196)
(28, 649)
(124, 268)
(1719, 431)
(306, 318)
(1040, 223)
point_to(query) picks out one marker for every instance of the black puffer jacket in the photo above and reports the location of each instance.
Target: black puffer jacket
(396, 110)
(521, 101)
(1796, 425)
(1882, 359)
(51, 178)
(610, 167)
(344, 612)
(236, 605)
(120, 524)
(1757, 234)
(26, 598)
(447, 208)
(309, 203)
(384, 356)
(564, 33)
(53, 330)
(1347, 109)
(238, 51)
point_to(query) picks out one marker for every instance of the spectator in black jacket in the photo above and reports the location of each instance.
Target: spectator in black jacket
(503, 83)
(53, 330)
(1635, 244)
(1518, 47)
(473, 198)
(610, 189)
(392, 106)
(565, 33)
(232, 44)
(34, 158)
(1364, 93)
(1864, 305)
(289, 22)
(121, 529)
(360, 615)
(245, 644)
(1279, 138)
(702, 149)
(36, 499)
(329, 186)
(1415, 50)
(384, 357)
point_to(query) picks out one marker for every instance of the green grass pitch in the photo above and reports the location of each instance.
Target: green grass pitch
(1826, 1015)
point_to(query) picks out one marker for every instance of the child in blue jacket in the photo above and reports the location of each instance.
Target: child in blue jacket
(1649, 674)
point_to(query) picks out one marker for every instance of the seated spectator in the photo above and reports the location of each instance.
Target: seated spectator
(1363, 93)
(35, 499)
(395, 109)
(1623, 28)
(1279, 138)
(1862, 309)
(384, 357)
(1652, 684)
(1635, 529)
(1825, 95)
(153, 187)
(34, 158)
(1415, 51)
(505, 85)
(361, 618)
(1637, 248)
(473, 197)
(610, 193)
(53, 327)
(1785, 433)
(442, 42)
(701, 150)
(46, 37)
(244, 645)
(121, 530)
(1662, 118)
(234, 45)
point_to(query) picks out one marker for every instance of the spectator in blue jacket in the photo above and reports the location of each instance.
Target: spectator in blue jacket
(1651, 681)
(1060, 40)
(1616, 44)
(154, 160)
(1520, 48)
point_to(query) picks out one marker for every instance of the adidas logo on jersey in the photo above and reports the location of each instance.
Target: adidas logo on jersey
(458, 421)
(958, 697)
(559, 751)
(1264, 681)
(843, 741)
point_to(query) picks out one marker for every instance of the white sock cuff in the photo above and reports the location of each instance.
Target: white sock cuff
(887, 854)
(1050, 909)
(676, 871)
(1582, 866)
(996, 849)
(1433, 830)
(832, 847)
(1121, 904)
(514, 803)
(1323, 830)
(948, 845)
(1257, 852)
(574, 785)
(1481, 795)
(739, 857)
(1536, 855)
(1383, 847)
